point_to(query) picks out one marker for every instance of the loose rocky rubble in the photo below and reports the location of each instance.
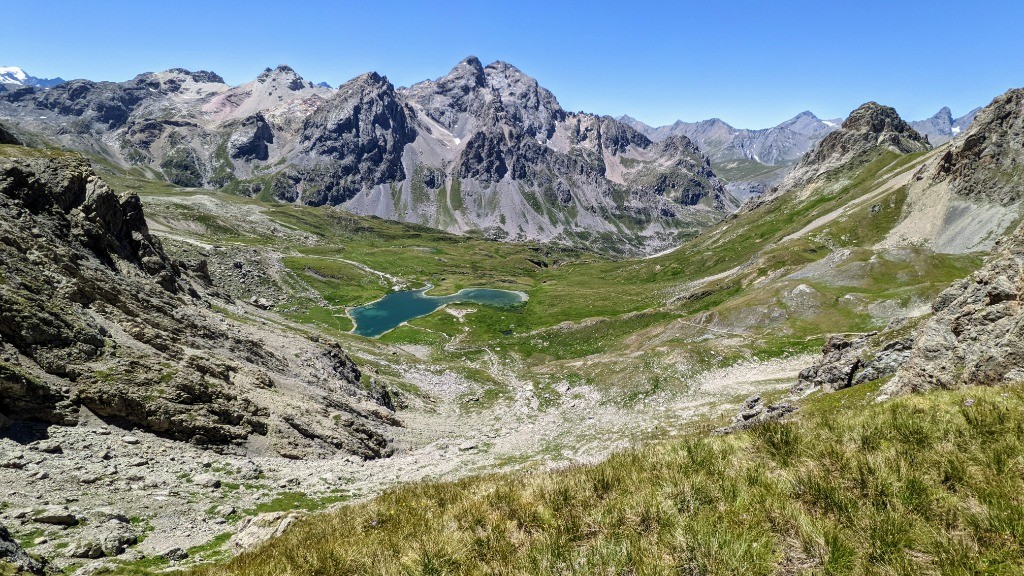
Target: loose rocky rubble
(754, 412)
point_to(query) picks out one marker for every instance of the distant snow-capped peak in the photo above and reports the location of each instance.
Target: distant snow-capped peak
(15, 75)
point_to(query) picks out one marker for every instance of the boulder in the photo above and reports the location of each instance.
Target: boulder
(255, 530)
(59, 515)
(11, 553)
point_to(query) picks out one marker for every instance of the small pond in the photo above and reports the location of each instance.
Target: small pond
(390, 311)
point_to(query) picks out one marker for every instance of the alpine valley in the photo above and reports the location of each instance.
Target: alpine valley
(703, 350)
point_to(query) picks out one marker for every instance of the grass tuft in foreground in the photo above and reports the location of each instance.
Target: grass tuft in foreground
(928, 484)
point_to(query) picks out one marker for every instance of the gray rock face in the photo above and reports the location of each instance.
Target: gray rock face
(94, 315)
(355, 140)
(104, 102)
(986, 161)
(6, 137)
(976, 336)
(846, 362)
(251, 140)
(11, 553)
(450, 99)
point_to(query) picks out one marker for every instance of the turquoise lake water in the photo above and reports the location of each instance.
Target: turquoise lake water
(378, 317)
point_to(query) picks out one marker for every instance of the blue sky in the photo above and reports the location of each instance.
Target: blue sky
(753, 64)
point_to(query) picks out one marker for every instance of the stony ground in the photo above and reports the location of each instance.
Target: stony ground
(92, 495)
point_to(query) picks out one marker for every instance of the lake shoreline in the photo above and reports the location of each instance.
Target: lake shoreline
(483, 296)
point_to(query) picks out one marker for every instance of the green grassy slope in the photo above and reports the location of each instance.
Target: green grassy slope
(587, 306)
(926, 484)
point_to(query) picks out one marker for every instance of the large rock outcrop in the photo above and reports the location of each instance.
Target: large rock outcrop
(251, 141)
(988, 160)
(976, 336)
(93, 314)
(848, 362)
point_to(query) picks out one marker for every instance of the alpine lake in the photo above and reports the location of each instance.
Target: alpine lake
(392, 310)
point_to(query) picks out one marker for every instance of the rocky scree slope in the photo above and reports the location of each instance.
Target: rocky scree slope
(480, 149)
(94, 316)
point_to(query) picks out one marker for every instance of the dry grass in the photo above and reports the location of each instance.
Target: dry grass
(930, 484)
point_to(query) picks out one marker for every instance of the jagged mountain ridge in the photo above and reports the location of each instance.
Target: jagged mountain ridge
(780, 144)
(480, 149)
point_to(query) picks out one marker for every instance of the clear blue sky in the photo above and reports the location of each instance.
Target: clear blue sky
(753, 64)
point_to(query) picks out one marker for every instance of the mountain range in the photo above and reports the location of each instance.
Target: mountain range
(483, 148)
(180, 374)
(780, 144)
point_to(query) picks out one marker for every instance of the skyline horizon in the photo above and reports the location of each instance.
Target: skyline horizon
(617, 115)
(749, 63)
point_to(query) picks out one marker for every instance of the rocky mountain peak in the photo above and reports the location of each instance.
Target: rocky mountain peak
(869, 128)
(470, 69)
(875, 118)
(528, 105)
(285, 75)
(356, 139)
(944, 114)
(17, 76)
(941, 127)
(368, 80)
(202, 76)
(715, 122)
(804, 123)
